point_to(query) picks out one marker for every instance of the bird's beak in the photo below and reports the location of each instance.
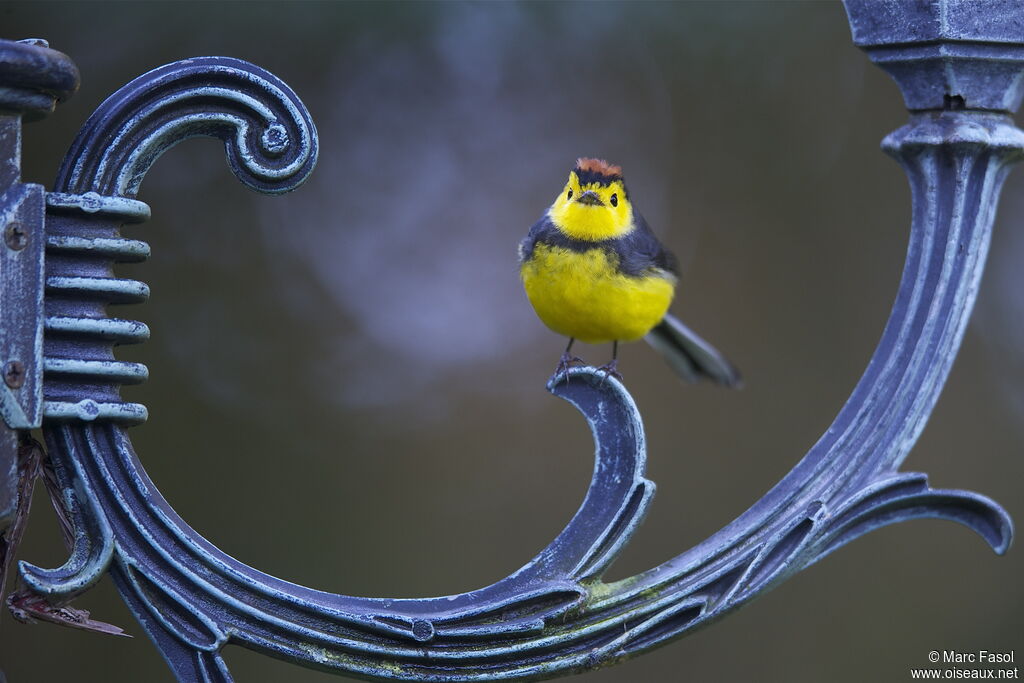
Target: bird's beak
(590, 198)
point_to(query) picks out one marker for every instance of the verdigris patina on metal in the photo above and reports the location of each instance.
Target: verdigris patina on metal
(33, 79)
(959, 66)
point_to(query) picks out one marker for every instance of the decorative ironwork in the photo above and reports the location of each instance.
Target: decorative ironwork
(555, 615)
(33, 79)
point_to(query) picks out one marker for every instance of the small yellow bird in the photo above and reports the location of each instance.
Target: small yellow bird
(594, 271)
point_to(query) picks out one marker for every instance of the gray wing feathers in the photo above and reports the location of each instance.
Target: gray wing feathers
(690, 356)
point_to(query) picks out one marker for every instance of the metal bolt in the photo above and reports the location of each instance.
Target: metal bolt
(422, 630)
(15, 236)
(275, 138)
(14, 374)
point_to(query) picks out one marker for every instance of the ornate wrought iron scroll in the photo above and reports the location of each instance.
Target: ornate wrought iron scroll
(555, 615)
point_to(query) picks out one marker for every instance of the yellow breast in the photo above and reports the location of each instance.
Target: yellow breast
(584, 296)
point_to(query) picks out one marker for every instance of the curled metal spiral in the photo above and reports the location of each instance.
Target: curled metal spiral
(271, 146)
(270, 139)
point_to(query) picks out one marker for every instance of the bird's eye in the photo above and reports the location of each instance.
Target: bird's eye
(569, 194)
(615, 200)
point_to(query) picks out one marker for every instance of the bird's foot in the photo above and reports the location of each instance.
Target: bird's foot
(567, 361)
(611, 369)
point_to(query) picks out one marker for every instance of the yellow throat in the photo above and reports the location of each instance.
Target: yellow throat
(592, 222)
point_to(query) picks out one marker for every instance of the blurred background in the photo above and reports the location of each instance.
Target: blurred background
(347, 382)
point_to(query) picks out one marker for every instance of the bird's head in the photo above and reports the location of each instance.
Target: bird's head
(594, 204)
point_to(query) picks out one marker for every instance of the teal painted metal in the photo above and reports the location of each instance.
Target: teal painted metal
(33, 79)
(555, 615)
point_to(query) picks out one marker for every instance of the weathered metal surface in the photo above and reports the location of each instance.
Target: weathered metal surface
(555, 615)
(946, 54)
(33, 79)
(21, 305)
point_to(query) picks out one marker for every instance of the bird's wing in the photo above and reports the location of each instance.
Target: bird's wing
(537, 232)
(640, 251)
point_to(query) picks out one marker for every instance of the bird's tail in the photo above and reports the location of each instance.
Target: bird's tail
(689, 355)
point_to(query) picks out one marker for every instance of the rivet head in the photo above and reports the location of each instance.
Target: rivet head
(14, 374)
(91, 202)
(15, 236)
(275, 138)
(422, 630)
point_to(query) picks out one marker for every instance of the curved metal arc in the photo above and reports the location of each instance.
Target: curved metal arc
(92, 541)
(612, 508)
(554, 615)
(220, 97)
(887, 410)
(146, 550)
(907, 496)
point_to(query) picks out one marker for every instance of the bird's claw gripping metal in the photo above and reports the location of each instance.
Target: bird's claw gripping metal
(611, 369)
(565, 363)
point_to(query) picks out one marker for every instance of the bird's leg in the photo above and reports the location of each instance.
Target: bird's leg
(611, 368)
(567, 360)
